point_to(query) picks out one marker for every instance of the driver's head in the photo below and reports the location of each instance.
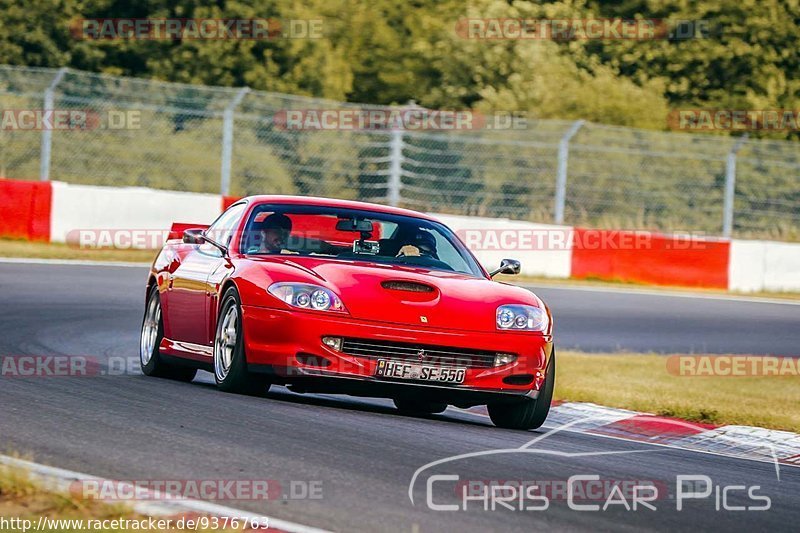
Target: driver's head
(425, 243)
(275, 230)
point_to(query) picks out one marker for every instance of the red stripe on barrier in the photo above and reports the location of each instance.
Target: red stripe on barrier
(25, 208)
(647, 257)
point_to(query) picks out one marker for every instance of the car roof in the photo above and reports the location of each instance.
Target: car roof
(331, 202)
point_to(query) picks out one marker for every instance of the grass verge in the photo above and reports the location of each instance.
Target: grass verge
(25, 501)
(641, 382)
(21, 498)
(46, 250)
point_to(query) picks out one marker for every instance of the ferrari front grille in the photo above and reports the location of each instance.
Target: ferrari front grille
(419, 353)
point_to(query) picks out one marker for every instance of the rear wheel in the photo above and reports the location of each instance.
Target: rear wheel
(150, 359)
(419, 407)
(526, 413)
(230, 363)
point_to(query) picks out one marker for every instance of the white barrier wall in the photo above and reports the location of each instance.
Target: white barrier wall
(764, 265)
(89, 208)
(746, 266)
(782, 267)
(543, 249)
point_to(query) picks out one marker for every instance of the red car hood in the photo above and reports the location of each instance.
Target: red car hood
(456, 301)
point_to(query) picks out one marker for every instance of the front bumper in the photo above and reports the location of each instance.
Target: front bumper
(275, 337)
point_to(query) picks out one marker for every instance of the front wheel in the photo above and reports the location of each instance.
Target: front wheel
(527, 413)
(150, 359)
(230, 363)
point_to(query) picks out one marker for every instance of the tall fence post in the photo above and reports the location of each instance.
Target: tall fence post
(730, 187)
(47, 133)
(561, 176)
(395, 167)
(227, 142)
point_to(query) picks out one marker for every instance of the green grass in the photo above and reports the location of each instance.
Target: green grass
(641, 382)
(23, 498)
(45, 250)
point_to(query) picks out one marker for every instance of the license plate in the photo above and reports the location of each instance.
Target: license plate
(401, 370)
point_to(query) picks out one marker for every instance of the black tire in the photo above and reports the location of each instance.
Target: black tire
(233, 376)
(419, 407)
(150, 359)
(527, 413)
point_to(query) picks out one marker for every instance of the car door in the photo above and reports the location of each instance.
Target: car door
(189, 310)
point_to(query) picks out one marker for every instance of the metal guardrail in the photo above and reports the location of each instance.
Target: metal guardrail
(214, 139)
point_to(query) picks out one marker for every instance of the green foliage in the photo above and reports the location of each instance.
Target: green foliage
(385, 52)
(744, 56)
(748, 60)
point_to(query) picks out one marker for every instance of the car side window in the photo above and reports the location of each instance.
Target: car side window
(222, 228)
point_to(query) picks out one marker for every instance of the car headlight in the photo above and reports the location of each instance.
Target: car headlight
(521, 317)
(307, 296)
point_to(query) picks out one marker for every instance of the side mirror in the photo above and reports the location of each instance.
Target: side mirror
(198, 236)
(193, 236)
(507, 266)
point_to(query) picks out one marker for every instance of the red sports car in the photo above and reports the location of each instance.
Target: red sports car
(347, 297)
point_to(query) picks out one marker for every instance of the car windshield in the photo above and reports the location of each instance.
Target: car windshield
(356, 235)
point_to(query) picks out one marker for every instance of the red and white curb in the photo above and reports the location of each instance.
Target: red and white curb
(744, 442)
(60, 480)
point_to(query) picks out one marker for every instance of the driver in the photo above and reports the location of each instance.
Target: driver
(417, 242)
(425, 243)
(274, 231)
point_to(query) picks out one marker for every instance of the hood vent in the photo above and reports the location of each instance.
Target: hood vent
(409, 286)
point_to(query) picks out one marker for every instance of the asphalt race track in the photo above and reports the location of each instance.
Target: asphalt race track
(362, 453)
(612, 320)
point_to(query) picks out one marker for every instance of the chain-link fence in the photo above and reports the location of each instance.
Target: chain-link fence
(235, 141)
